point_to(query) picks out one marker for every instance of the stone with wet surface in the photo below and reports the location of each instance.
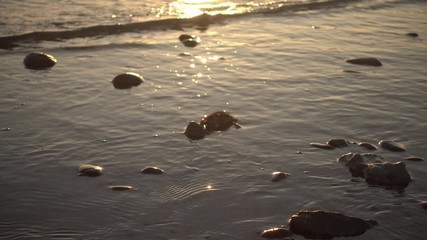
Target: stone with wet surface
(152, 170)
(276, 233)
(39, 61)
(127, 80)
(121, 187)
(337, 143)
(322, 146)
(387, 174)
(278, 176)
(195, 131)
(366, 61)
(90, 170)
(189, 40)
(392, 146)
(219, 121)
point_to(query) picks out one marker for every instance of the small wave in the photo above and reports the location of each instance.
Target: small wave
(200, 22)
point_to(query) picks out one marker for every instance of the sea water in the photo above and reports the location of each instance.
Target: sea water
(278, 66)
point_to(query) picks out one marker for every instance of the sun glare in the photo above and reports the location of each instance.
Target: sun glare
(192, 8)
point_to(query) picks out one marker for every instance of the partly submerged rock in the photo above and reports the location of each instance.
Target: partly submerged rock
(322, 146)
(189, 40)
(367, 145)
(414, 159)
(195, 131)
(277, 176)
(39, 61)
(218, 121)
(365, 61)
(152, 170)
(276, 233)
(412, 34)
(337, 143)
(392, 146)
(387, 174)
(127, 80)
(89, 170)
(323, 224)
(121, 187)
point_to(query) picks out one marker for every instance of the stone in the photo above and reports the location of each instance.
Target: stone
(277, 176)
(195, 131)
(89, 170)
(39, 61)
(275, 233)
(423, 204)
(322, 146)
(325, 224)
(387, 174)
(337, 143)
(218, 121)
(127, 80)
(189, 40)
(152, 170)
(367, 145)
(121, 187)
(412, 34)
(414, 159)
(392, 146)
(365, 61)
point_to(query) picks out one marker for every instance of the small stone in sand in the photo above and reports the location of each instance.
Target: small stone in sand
(195, 131)
(152, 170)
(392, 146)
(127, 80)
(39, 61)
(367, 145)
(412, 34)
(337, 143)
(276, 233)
(322, 146)
(277, 176)
(365, 61)
(89, 170)
(121, 187)
(414, 159)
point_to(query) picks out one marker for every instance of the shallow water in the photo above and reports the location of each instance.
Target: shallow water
(283, 75)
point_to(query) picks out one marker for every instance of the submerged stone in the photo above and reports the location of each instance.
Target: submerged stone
(367, 145)
(387, 174)
(121, 187)
(127, 80)
(89, 170)
(322, 146)
(39, 61)
(189, 40)
(337, 143)
(414, 159)
(219, 121)
(152, 170)
(392, 146)
(195, 131)
(323, 224)
(275, 233)
(277, 176)
(365, 61)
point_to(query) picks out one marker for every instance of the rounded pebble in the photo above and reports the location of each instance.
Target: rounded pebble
(219, 121)
(121, 187)
(277, 176)
(367, 145)
(392, 146)
(39, 61)
(337, 143)
(189, 40)
(275, 233)
(89, 170)
(412, 34)
(194, 131)
(152, 170)
(127, 80)
(414, 159)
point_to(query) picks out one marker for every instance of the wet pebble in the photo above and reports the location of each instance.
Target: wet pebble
(189, 40)
(337, 143)
(392, 146)
(412, 34)
(367, 145)
(365, 61)
(90, 170)
(121, 187)
(387, 174)
(322, 146)
(219, 121)
(275, 233)
(195, 131)
(127, 80)
(277, 176)
(152, 170)
(39, 61)
(414, 159)
(5, 129)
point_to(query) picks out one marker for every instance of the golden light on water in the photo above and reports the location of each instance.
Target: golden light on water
(191, 8)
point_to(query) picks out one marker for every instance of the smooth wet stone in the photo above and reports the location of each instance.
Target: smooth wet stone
(195, 131)
(152, 170)
(345, 157)
(127, 80)
(276, 233)
(412, 34)
(365, 61)
(277, 176)
(5, 129)
(90, 170)
(320, 224)
(189, 40)
(387, 174)
(121, 187)
(392, 146)
(219, 121)
(337, 143)
(423, 204)
(414, 159)
(39, 61)
(367, 145)
(322, 146)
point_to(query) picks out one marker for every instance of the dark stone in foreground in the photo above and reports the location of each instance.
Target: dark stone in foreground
(39, 61)
(189, 40)
(412, 34)
(275, 233)
(387, 174)
(366, 61)
(127, 80)
(337, 143)
(322, 146)
(277, 176)
(152, 170)
(392, 146)
(194, 131)
(219, 121)
(323, 224)
(414, 159)
(89, 170)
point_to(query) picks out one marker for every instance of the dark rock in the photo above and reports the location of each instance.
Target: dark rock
(412, 34)
(423, 204)
(127, 80)
(274, 233)
(195, 131)
(277, 176)
(5, 129)
(39, 61)
(121, 187)
(189, 40)
(219, 121)
(89, 170)
(365, 61)
(345, 157)
(392, 146)
(387, 174)
(367, 145)
(337, 143)
(152, 170)
(357, 170)
(323, 224)
(414, 159)
(322, 146)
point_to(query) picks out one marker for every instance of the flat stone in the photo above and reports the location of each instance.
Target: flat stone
(365, 61)
(387, 174)
(39, 61)
(325, 225)
(89, 170)
(277, 176)
(275, 233)
(412, 34)
(322, 146)
(392, 146)
(121, 187)
(367, 145)
(414, 159)
(195, 131)
(337, 143)
(152, 170)
(127, 80)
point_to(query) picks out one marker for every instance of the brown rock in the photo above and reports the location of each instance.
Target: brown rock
(89, 170)
(195, 131)
(189, 40)
(152, 170)
(39, 61)
(365, 61)
(121, 187)
(277, 176)
(392, 146)
(275, 233)
(127, 80)
(414, 159)
(219, 121)
(322, 146)
(367, 145)
(387, 174)
(337, 143)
